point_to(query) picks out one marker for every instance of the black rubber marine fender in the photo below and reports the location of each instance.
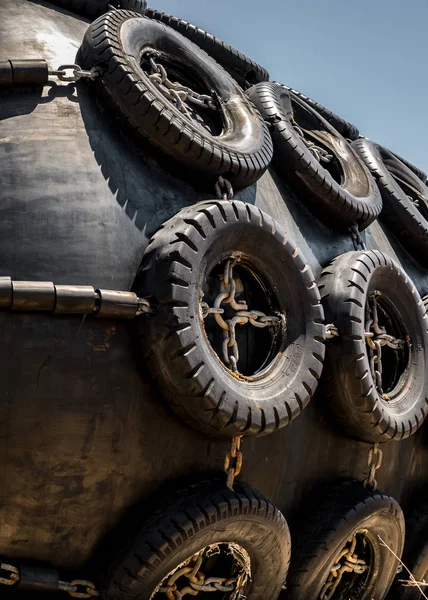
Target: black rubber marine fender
(360, 291)
(355, 519)
(95, 8)
(239, 66)
(233, 141)
(348, 130)
(183, 273)
(339, 187)
(400, 189)
(239, 528)
(415, 556)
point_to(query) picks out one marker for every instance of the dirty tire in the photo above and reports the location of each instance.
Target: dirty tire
(242, 149)
(409, 224)
(346, 129)
(360, 409)
(192, 377)
(204, 514)
(95, 8)
(415, 555)
(240, 67)
(355, 199)
(325, 531)
(418, 172)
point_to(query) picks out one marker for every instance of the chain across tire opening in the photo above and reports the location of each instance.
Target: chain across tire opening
(233, 284)
(349, 574)
(224, 568)
(388, 355)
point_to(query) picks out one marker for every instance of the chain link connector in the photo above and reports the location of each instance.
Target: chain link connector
(233, 461)
(77, 73)
(374, 463)
(13, 577)
(223, 189)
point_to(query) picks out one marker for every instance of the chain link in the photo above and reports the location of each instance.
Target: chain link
(331, 331)
(320, 154)
(233, 461)
(176, 92)
(223, 189)
(375, 340)
(374, 463)
(357, 240)
(346, 562)
(242, 315)
(198, 581)
(13, 574)
(77, 73)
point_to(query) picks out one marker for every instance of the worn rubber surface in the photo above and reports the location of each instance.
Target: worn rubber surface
(242, 150)
(95, 8)
(195, 382)
(348, 130)
(415, 555)
(204, 514)
(418, 172)
(408, 223)
(325, 530)
(238, 65)
(344, 286)
(355, 199)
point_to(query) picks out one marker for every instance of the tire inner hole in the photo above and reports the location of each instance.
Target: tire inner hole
(312, 132)
(206, 117)
(353, 585)
(257, 346)
(395, 363)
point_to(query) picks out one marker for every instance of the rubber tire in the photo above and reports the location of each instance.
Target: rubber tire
(241, 153)
(346, 129)
(344, 286)
(415, 555)
(240, 67)
(404, 219)
(418, 172)
(205, 514)
(325, 530)
(335, 204)
(95, 8)
(197, 385)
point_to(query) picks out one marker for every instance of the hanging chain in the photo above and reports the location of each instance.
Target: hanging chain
(176, 92)
(78, 588)
(233, 461)
(357, 240)
(374, 463)
(320, 154)
(242, 316)
(197, 581)
(346, 562)
(223, 189)
(375, 339)
(76, 73)
(331, 331)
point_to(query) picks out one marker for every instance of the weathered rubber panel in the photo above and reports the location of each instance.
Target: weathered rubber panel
(83, 434)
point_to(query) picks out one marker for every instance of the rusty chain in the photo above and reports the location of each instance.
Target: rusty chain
(177, 93)
(346, 562)
(197, 581)
(320, 154)
(78, 588)
(375, 340)
(233, 461)
(374, 463)
(242, 315)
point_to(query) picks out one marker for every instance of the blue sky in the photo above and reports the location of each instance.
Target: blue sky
(365, 60)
